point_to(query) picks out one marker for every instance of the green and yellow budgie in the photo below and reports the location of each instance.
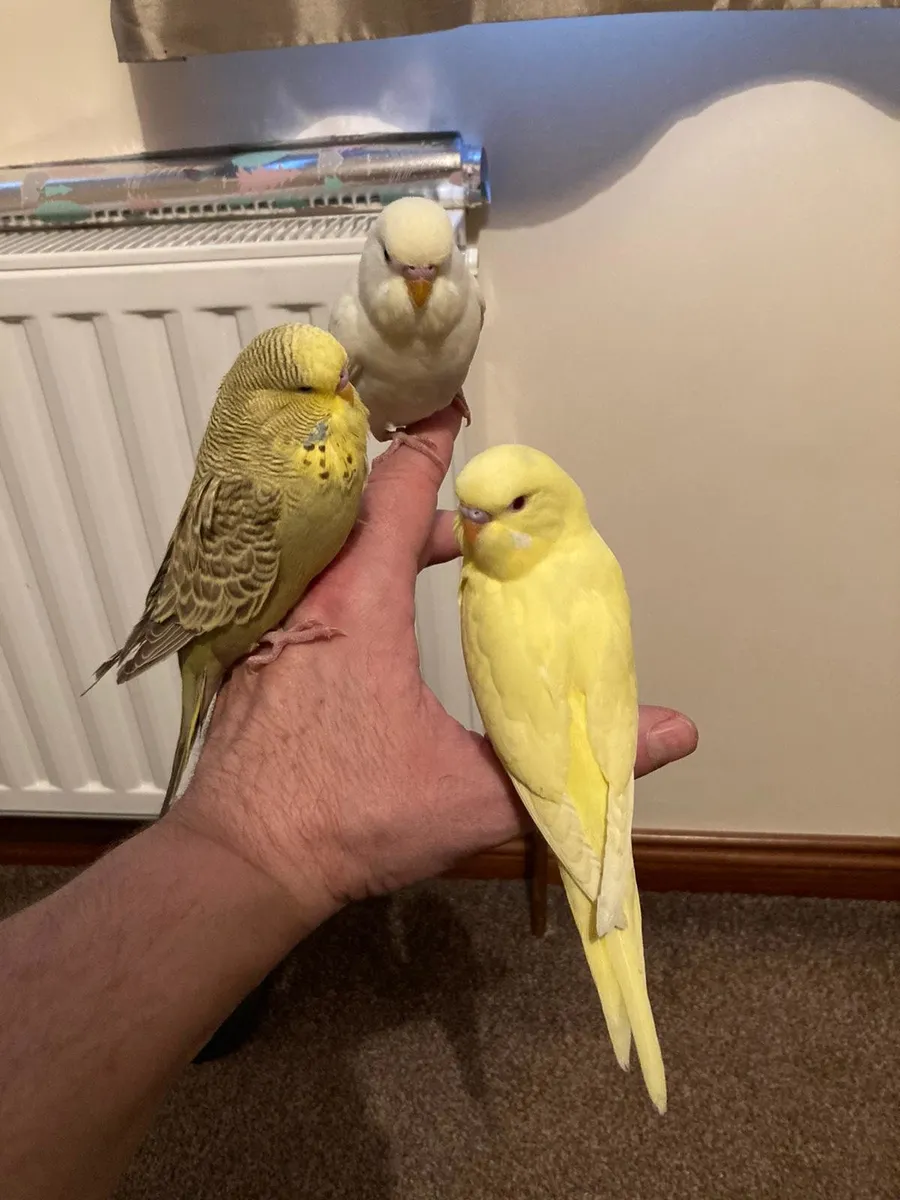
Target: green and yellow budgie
(546, 633)
(276, 491)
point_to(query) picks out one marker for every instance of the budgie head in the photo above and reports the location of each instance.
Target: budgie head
(290, 365)
(515, 506)
(411, 264)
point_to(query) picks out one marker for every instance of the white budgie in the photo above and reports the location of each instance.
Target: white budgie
(411, 320)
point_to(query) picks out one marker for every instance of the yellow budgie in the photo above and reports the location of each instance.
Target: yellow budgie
(275, 493)
(546, 633)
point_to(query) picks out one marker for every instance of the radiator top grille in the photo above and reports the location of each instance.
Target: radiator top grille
(270, 230)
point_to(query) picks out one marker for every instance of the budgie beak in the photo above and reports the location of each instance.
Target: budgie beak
(344, 382)
(419, 282)
(472, 521)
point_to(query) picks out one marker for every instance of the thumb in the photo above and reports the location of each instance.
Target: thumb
(441, 545)
(664, 736)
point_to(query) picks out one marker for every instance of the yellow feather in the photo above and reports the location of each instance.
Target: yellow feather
(597, 953)
(546, 632)
(276, 490)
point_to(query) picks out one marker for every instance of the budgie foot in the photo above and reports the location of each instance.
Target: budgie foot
(306, 631)
(400, 438)
(459, 401)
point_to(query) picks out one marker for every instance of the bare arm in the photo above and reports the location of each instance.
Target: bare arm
(109, 987)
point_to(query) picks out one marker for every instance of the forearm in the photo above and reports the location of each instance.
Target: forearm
(108, 989)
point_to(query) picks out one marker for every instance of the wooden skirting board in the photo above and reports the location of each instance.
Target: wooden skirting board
(768, 864)
(841, 867)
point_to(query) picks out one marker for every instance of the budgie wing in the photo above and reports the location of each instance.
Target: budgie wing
(604, 671)
(564, 689)
(605, 723)
(218, 569)
(518, 660)
(479, 296)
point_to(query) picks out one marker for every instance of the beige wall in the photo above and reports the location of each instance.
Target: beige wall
(693, 270)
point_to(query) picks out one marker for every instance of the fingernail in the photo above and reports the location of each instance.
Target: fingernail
(671, 739)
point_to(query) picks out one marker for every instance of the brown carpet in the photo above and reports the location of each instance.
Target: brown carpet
(428, 1047)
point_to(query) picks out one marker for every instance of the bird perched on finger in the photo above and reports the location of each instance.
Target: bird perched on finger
(546, 632)
(411, 320)
(276, 490)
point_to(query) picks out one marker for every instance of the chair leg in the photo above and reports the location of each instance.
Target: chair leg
(537, 884)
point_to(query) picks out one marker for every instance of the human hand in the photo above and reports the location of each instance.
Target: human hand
(336, 767)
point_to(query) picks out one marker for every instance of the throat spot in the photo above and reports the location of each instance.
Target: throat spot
(317, 434)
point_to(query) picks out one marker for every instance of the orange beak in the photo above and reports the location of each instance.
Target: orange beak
(472, 520)
(419, 290)
(470, 532)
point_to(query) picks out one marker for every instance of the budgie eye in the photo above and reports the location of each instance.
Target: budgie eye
(306, 389)
(519, 503)
(387, 254)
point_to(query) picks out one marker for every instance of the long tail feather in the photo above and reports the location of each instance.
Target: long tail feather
(611, 999)
(617, 966)
(111, 662)
(198, 690)
(626, 953)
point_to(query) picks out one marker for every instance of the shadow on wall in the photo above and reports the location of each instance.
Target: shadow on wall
(565, 108)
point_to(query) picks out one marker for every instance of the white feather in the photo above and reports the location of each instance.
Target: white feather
(408, 362)
(614, 880)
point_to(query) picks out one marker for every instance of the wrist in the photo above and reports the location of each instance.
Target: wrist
(277, 865)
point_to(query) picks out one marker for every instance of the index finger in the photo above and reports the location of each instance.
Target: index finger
(401, 496)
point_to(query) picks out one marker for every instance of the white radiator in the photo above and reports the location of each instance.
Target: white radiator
(112, 343)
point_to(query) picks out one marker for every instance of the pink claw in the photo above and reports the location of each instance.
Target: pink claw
(400, 437)
(307, 631)
(459, 401)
